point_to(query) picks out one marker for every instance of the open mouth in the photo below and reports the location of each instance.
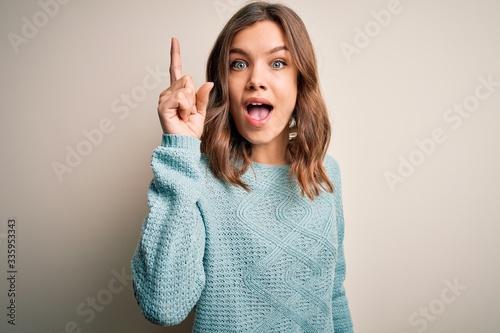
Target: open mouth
(259, 111)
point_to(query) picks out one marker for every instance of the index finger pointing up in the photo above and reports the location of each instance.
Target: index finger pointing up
(175, 61)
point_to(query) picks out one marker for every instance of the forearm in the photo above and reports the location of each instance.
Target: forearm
(341, 313)
(167, 267)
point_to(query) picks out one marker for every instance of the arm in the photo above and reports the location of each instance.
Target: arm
(341, 314)
(167, 268)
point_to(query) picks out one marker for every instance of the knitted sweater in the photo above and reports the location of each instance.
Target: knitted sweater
(268, 260)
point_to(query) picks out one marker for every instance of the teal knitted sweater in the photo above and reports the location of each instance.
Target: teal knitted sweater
(268, 260)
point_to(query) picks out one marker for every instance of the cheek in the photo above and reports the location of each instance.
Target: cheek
(233, 105)
(232, 97)
(234, 91)
(287, 86)
(289, 96)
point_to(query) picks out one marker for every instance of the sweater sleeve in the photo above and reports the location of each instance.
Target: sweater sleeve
(167, 267)
(342, 321)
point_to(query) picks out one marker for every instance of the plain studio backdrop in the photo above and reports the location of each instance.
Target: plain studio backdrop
(413, 89)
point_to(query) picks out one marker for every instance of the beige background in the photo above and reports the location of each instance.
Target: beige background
(78, 231)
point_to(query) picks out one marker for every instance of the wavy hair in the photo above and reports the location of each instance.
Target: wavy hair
(229, 154)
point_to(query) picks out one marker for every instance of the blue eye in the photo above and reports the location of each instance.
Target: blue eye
(278, 64)
(238, 64)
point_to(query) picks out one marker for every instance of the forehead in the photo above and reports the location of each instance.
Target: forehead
(262, 35)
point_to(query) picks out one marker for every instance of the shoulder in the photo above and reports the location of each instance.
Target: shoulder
(332, 169)
(331, 166)
(331, 162)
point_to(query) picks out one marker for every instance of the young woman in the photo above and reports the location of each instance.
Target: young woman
(245, 215)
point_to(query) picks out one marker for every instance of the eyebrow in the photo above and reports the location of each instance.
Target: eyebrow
(245, 53)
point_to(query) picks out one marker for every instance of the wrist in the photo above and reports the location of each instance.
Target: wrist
(180, 141)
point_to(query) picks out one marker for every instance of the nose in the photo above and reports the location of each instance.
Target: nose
(257, 78)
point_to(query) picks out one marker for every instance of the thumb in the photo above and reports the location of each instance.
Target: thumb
(202, 97)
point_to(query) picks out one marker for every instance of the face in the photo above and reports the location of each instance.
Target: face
(262, 88)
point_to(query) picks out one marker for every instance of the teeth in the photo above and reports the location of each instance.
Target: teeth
(255, 104)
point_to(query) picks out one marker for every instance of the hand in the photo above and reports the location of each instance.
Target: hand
(181, 108)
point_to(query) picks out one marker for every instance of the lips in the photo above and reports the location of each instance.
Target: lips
(258, 110)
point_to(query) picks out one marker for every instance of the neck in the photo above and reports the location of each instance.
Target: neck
(272, 154)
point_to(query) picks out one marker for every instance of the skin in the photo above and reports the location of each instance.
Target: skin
(260, 67)
(181, 108)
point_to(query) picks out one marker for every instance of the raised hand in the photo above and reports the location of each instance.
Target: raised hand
(181, 108)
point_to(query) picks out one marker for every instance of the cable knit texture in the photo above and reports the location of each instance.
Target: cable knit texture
(268, 260)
